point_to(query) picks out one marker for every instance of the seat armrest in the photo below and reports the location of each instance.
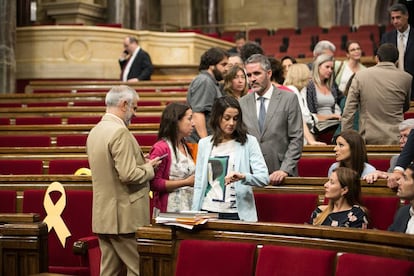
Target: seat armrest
(81, 246)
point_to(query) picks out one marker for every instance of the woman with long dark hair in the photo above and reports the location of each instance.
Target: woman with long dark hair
(229, 163)
(343, 190)
(174, 177)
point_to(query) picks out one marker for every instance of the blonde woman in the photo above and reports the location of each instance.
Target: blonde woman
(297, 78)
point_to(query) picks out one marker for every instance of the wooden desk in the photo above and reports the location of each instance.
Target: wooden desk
(23, 245)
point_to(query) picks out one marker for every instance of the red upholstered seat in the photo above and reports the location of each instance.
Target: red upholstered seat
(7, 201)
(218, 258)
(350, 264)
(21, 166)
(67, 166)
(314, 166)
(77, 216)
(4, 121)
(38, 121)
(89, 103)
(146, 139)
(91, 120)
(288, 208)
(408, 115)
(71, 140)
(47, 104)
(25, 141)
(10, 105)
(380, 164)
(286, 260)
(146, 120)
(381, 210)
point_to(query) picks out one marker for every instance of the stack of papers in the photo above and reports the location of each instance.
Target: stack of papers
(185, 220)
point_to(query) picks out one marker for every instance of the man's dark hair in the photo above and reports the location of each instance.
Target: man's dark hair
(398, 8)
(387, 52)
(250, 48)
(240, 35)
(212, 57)
(277, 70)
(133, 39)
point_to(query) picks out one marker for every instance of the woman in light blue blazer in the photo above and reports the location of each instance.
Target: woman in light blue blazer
(229, 163)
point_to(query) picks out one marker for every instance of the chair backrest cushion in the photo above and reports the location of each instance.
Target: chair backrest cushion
(289, 260)
(77, 215)
(219, 258)
(350, 264)
(284, 207)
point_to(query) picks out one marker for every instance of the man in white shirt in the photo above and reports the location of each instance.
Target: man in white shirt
(135, 63)
(403, 38)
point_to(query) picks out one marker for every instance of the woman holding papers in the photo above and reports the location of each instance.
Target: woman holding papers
(229, 163)
(174, 177)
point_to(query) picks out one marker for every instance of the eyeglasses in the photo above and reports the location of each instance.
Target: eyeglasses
(402, 137)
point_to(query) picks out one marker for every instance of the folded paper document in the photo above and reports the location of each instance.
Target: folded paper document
(185, 219)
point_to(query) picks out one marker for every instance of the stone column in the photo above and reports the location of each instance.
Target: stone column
(118, 11)
(7, 46)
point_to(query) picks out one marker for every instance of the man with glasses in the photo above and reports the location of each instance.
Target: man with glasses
(120, 183)
(405, 128)
(204, 89)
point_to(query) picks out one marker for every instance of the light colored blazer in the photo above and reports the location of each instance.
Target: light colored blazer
(248, 161)
(282, 138)
(120, 178)
(382, 93)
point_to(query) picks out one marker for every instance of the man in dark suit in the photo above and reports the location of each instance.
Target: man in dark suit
(405, 158)
(403, 38)
(404, 220)
(280, 129)
(135, 62)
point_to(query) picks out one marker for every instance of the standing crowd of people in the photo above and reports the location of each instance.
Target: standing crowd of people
(250, 117)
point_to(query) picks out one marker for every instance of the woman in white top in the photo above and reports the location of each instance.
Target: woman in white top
(174, 177)
(297, 77)
(229, 163)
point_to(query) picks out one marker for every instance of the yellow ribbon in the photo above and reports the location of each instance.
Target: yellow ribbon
(53, 211)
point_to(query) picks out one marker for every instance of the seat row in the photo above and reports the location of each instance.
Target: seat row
(72, 120)
(63, 260)
(288, 206)
(62, 140)
(227, 258)
(53, 163)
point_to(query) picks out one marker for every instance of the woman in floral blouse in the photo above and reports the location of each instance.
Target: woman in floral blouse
(343, 191)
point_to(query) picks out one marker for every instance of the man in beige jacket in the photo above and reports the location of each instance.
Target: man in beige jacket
(120, 180)
(382, 95)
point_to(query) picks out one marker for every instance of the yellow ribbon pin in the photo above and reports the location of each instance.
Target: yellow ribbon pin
(53, 211)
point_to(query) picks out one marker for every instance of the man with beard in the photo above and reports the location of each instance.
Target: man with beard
(120, 183)
(274, 117)
(204, 89)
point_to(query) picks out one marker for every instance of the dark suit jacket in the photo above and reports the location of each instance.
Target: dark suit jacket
(401, 219)
(407, 153)
(141, 67)
(282, 138)
(391, 37)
